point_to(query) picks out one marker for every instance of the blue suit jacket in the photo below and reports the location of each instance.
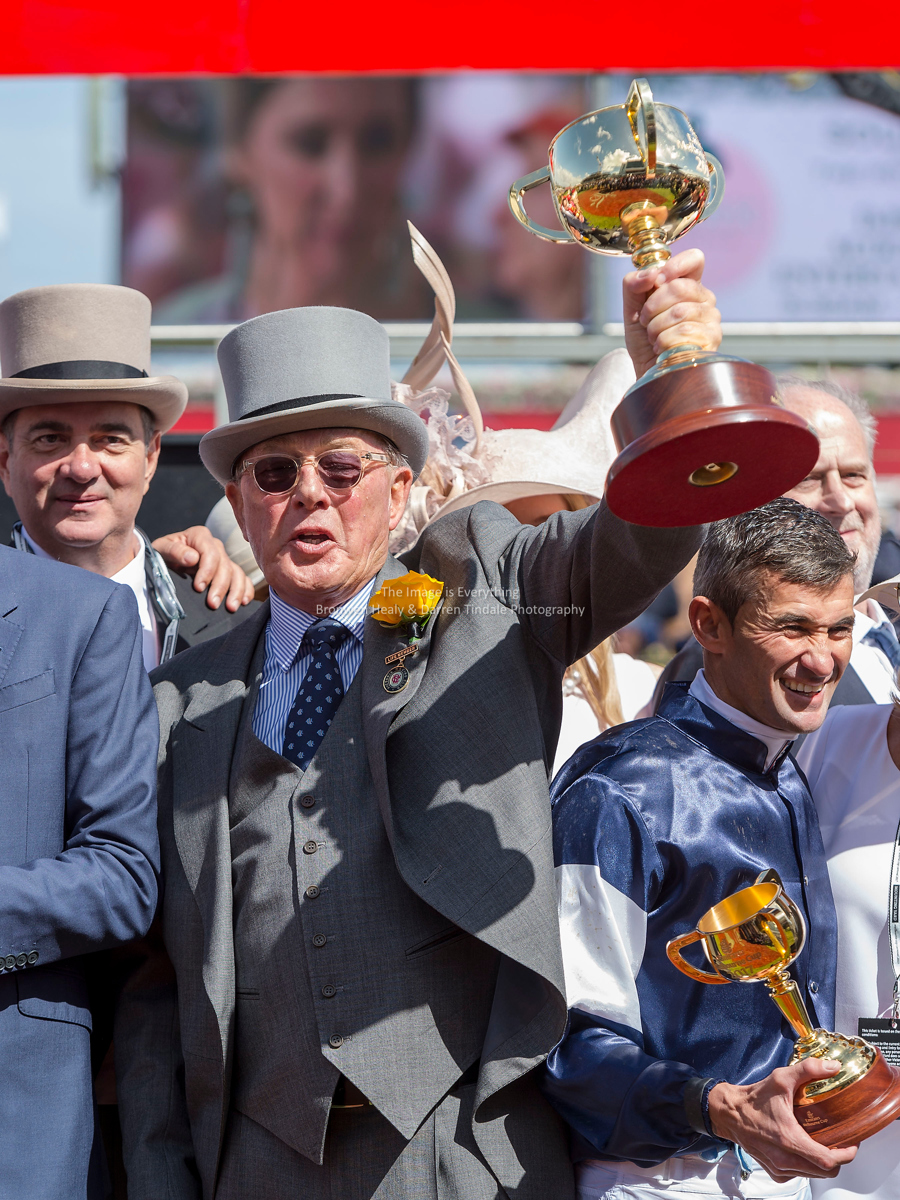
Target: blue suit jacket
(79, 855)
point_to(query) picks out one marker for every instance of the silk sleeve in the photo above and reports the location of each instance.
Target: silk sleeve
(620, 1102)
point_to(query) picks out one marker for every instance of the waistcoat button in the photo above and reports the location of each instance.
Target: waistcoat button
(310, 847)
(335, 1041)
(21, 960)
(319, 940)
(329, 990)
(10, 962)
(307, 801)
(311, 892)
(813, 986)
(32, 958)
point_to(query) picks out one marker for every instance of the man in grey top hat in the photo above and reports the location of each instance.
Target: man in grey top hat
(358, 965)
(81, 419)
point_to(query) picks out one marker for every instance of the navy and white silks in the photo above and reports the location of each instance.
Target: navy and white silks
(654, 822)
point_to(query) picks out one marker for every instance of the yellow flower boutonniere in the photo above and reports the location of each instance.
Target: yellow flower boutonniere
(409, 600)
(405, 604)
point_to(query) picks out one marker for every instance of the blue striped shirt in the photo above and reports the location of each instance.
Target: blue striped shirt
(285, 667)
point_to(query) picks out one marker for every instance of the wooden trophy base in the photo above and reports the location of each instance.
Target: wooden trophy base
(703, 440)
(846, 1117)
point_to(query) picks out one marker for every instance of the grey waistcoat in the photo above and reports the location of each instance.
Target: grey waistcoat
(340, 967)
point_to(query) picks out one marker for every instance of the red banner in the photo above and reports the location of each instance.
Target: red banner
(412, 36)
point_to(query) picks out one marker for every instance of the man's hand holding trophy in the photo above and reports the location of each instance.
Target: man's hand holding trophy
(753, 936)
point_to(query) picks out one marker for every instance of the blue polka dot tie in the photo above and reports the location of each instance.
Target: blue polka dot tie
(319, 694)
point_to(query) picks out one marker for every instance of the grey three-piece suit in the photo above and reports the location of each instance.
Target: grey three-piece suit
(389, 914)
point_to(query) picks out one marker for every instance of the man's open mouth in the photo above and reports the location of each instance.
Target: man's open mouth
(312, 539)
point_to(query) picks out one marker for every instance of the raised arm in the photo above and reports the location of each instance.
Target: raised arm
(580, 576)
(602, 568)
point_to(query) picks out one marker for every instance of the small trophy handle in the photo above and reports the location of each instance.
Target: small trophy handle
(640, 97)
(518, 189)
(674, 948)
(716, 187)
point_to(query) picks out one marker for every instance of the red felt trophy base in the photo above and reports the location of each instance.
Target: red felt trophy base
(846, 1117)
(703, 440)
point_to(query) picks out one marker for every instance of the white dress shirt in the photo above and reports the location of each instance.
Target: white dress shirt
(284, 667)
(856, 789)
(134, 576)
(871, 664)
(774, 740)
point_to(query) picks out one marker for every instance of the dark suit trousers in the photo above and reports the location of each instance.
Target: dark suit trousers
(365, 1159)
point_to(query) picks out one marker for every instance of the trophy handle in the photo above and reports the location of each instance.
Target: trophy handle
(518, 189)
(674, 948)
(716, 187)
(640, 97)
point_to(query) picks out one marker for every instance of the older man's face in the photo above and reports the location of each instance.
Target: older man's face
(841, 486)
(317, 547)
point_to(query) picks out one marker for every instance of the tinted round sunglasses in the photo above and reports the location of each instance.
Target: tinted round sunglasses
(339, 470)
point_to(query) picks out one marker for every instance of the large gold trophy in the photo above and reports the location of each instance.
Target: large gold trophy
(754, 936)
(701, 436)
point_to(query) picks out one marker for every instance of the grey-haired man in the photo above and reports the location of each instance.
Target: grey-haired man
(360, 964)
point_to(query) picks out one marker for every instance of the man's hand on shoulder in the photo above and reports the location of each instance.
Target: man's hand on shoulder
(669, 306)
(760, 1119)
(196, 552)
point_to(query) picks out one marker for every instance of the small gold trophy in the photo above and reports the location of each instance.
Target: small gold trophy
(700, 436)
(755, 935)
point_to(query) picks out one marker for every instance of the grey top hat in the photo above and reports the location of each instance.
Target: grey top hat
(308, 368)
(82, 341)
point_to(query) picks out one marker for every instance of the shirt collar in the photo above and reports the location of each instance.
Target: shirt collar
(774, 740)
(288, 625)
(132, 574)
(864, 622)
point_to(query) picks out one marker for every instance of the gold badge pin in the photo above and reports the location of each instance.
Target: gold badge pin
(399, 656)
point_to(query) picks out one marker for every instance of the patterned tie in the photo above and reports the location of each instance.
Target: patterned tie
(884, 638)
(319, 694)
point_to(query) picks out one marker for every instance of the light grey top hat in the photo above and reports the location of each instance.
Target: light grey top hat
(308, 368)
(82, 341)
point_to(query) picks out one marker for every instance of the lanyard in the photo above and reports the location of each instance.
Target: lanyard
(159, 588)
(894, 923)
(162, 596)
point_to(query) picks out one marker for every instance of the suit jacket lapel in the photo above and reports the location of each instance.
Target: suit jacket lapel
(10, 632)
(11, 621)
(381, 707)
